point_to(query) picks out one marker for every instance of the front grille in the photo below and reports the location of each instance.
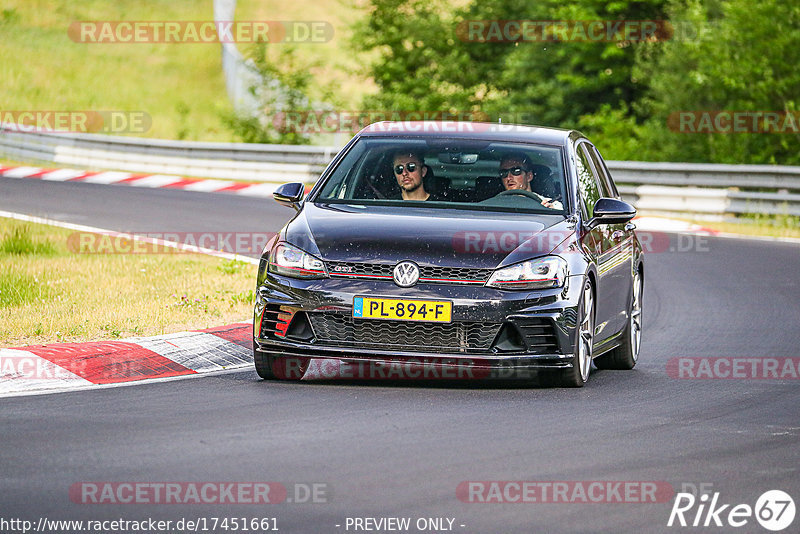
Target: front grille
(539, 335)
(450, 274)
(344, 331)
(427, 274)
(348, 268)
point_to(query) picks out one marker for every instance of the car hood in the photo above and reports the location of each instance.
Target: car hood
(428, 236)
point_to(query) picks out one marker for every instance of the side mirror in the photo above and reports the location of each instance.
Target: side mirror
(611, 211)
(290, 195)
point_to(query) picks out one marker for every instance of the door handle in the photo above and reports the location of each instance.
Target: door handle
(616, 236)
(629, 227)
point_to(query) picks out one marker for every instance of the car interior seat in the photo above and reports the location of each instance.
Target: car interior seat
(380, 183)
(543, 182)
(487, 187)
(437, 186)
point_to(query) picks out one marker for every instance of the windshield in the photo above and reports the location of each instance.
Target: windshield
(449, 173)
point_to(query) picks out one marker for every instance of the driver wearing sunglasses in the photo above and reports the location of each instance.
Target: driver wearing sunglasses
(515, 173)
(409, 171)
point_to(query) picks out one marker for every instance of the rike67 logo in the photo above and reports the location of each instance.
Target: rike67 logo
(774, 510)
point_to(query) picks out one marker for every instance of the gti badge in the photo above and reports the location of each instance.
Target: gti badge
(406, 274)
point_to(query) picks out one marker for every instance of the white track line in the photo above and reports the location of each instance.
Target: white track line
(133, 237)
(70, 389)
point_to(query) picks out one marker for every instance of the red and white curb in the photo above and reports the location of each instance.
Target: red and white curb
(158, 181)
(73, 366)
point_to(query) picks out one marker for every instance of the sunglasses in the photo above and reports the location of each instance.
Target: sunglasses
(515, 171)
(410, 167)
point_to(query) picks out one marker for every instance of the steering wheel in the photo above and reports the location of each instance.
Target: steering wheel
(525, 193)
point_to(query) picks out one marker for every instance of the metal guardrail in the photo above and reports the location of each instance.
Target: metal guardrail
(235, 161)
(709, 189)
(695, 188)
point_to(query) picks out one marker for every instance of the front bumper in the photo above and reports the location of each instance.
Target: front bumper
(534, 329)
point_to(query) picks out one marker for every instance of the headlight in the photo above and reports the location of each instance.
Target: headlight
(541, 273)
(289, 260)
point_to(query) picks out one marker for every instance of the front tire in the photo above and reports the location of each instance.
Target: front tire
(271, 367)
(577, 376)
(626, 355)
(263, 364)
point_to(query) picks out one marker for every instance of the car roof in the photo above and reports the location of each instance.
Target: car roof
(470, 130)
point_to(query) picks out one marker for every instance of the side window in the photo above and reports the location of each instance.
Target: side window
(587, 182)
(608, 189)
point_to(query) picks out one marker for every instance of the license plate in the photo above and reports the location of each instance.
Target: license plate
(436, 311)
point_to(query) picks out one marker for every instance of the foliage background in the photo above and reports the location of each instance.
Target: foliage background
(728, 55)
(408, 55)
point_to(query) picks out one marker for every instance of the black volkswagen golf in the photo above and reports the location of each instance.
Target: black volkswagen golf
(476, 246)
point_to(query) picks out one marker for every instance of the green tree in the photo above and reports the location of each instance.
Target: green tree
(427, 61)
(738, 56)
(287, 86)
(555, 83)
(418, 64)
(725, 55)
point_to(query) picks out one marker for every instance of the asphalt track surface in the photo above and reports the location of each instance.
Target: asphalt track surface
(400, 449)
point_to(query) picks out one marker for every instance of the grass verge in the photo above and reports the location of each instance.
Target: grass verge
(340, 66)
(764, 226)
(49, 294)
(181, 86)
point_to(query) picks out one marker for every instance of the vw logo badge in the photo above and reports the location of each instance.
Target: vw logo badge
(406, 274)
